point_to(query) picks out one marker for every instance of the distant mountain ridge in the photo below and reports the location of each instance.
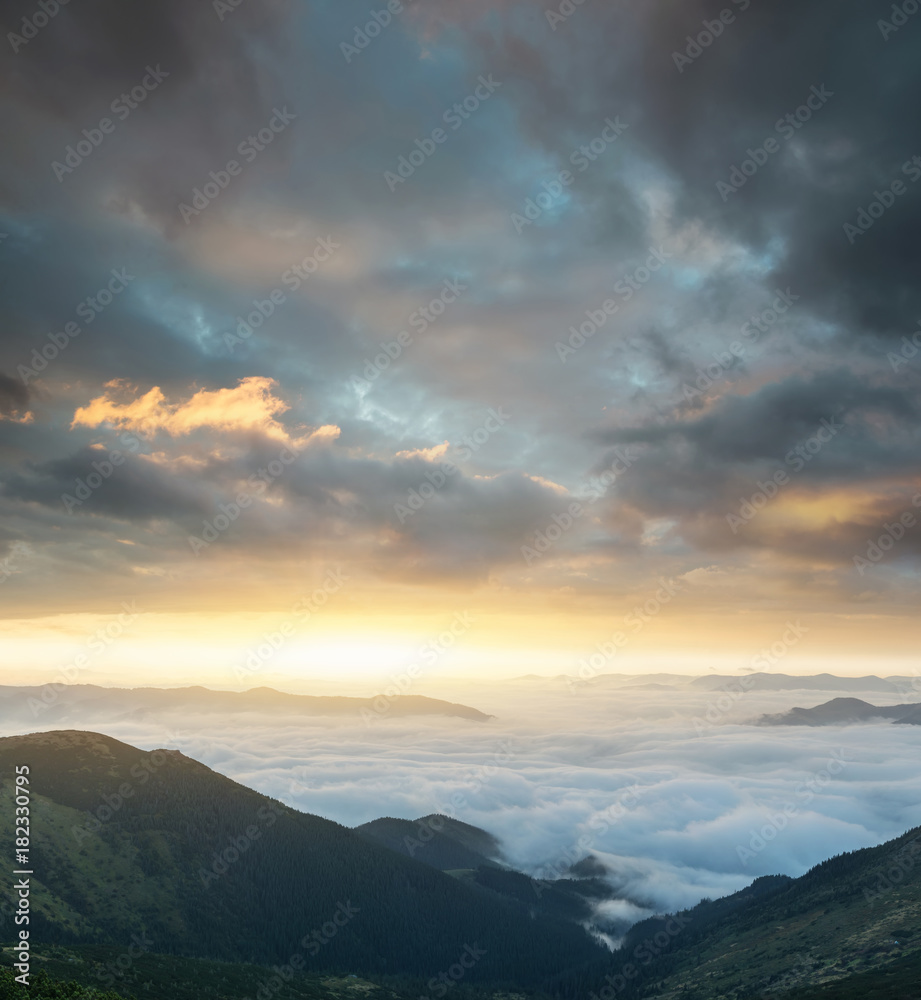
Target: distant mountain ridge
(841, 711)
(895, 685)
(86, 702)
(812, 682)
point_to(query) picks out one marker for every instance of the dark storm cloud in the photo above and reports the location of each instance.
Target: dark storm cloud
(67, 77)
(876, 421)
(830, 432)
(50, 285)
(133, 489)
(66, 234)
(467, 527)
(697, 123)
(464, 525)
(464, 528)
(856, 142)
(14, 396)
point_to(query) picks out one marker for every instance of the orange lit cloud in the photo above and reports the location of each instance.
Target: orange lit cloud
(549, 484)
(250, 406)
(429, 454)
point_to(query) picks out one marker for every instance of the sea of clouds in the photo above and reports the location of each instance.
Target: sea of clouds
(673, 789)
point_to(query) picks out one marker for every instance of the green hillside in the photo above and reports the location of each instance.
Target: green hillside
(898, 980)
(857, 913)
(45, 987)
(214, 882)
(468, 853)
(168, 977)
(127, 843)
(436, 840)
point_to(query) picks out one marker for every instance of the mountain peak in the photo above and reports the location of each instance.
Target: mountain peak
(207, 867)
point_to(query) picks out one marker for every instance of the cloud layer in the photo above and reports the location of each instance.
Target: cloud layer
(619, 229)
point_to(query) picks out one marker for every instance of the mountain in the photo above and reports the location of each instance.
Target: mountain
(588, 867)
(474, 856)
(900, 979)
(911, 718)
(62, 972)
(44, 987)
(892, 686)
(87, 703)
(155, 844)
(602, 680)
(850, 924)
(436, 840)
(636, 680)
(841, 711)
(572, 900)
(155, 847)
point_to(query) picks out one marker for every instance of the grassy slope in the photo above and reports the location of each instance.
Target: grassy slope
(900, 980)
(834, 929)
(141, 872)
(167, 977)
(91, 877)
(840, 919)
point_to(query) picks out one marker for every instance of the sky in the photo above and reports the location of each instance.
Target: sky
(473, 333)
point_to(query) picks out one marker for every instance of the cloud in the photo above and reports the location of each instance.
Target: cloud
(249, 407)
(845, 442)
(137, 489)
(104, 53)
(429, 454)
(322, 496)
(655, 188)
(14, 400)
